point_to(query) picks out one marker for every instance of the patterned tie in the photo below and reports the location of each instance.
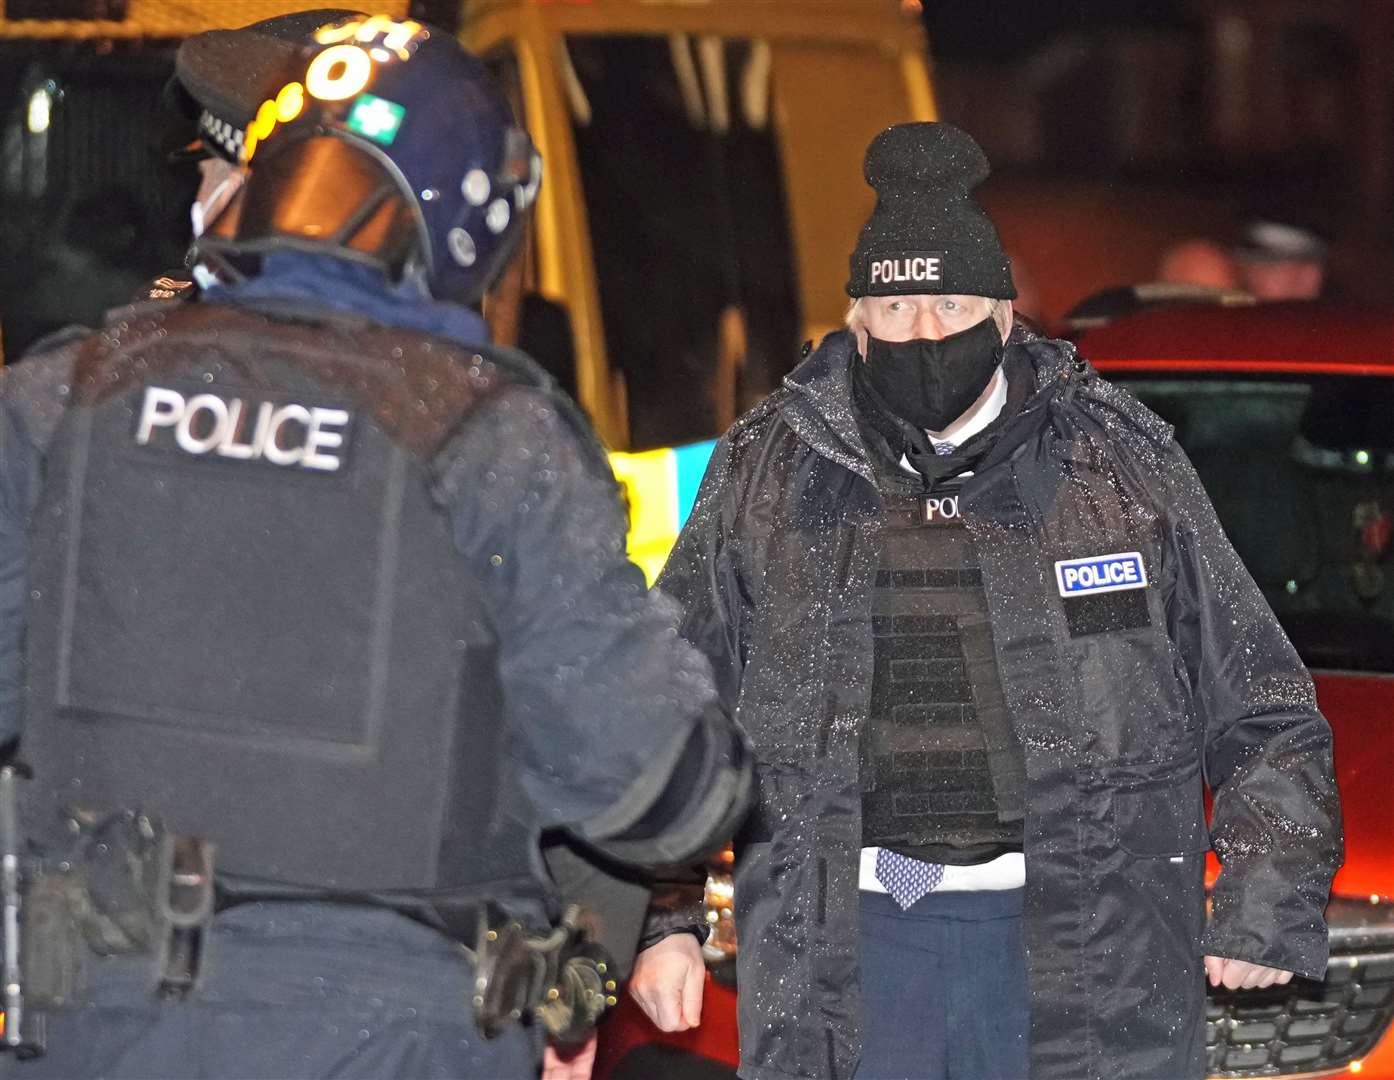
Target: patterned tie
(944, 449)
(906, 879)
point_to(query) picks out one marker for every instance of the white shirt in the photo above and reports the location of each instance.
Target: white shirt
(1006, 871)
(982, 412)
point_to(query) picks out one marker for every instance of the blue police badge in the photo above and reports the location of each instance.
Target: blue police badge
(1103, 593)
(1096, 574)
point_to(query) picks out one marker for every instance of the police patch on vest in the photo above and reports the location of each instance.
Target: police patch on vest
(905, 269)
(1104, 592)
(938, 509)
(1101, 574)
(283, 434)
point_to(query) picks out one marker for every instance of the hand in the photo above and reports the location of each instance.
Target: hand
(1242, 975)
(668, 981)
(569, 1063)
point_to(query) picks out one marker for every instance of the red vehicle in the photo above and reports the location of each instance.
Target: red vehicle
(1287, 411)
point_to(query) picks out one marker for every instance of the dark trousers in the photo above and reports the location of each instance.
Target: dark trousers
(944, 988)
(289, 990)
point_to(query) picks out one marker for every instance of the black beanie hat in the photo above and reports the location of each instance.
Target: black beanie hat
(927, 234)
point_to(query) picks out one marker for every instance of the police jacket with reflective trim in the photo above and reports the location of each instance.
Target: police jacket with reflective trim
(1123, 709)
(373, 638)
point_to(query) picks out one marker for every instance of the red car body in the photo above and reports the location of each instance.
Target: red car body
(1339, 1027)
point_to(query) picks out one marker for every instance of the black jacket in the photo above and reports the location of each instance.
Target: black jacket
(1123, 723)
(591, 672)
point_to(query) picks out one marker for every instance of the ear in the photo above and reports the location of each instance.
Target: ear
(1003, 316)
(861, 335)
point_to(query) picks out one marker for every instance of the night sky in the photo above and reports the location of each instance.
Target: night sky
(967, 29)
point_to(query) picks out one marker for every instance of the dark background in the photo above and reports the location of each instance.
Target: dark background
(1116, 127)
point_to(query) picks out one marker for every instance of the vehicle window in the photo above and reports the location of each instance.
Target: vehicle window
(1301, 472)
(90, 208)
(683, 188)
(834, 99)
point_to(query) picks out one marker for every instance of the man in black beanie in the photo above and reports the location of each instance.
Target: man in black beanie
(978, 618)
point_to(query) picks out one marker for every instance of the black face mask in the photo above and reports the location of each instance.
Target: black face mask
(932, 383)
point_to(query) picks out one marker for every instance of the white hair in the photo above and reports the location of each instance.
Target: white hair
(855, 320)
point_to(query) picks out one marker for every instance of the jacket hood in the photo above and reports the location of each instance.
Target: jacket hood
(817, 399)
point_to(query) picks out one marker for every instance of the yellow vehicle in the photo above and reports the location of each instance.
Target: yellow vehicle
(703, 190)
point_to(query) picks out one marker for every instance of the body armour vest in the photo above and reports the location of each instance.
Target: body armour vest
(248, 618)
(942, 772)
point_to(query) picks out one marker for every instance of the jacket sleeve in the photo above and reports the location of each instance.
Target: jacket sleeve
(33, 394)
(613, 718)
(703, 574)
(1276, 824)
(16, 483)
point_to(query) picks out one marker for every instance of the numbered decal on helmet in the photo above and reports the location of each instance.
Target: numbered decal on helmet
(338, 73)
(377, 30)
(341, 72)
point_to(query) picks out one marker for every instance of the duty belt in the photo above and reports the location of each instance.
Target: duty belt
(562, 978)
(183, 910)
(129, 887)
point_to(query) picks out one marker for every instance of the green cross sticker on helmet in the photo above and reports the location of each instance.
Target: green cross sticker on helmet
(376, 118)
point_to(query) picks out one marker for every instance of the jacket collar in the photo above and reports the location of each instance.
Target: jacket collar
(818, 405)
(818, 402)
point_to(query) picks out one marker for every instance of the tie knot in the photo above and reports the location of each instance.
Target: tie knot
(944, 449)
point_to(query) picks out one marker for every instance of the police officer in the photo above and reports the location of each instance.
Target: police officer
(320, 613)
(220, 82)
(990, 643)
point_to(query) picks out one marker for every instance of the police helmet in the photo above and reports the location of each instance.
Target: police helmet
(394, 147)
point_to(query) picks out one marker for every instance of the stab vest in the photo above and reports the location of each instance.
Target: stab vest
(248, 616)
(938, 744)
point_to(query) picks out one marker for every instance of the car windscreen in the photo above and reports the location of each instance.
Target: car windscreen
(685, 199)
(1301, 473)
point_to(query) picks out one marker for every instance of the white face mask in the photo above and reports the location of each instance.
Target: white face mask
(205, 211)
